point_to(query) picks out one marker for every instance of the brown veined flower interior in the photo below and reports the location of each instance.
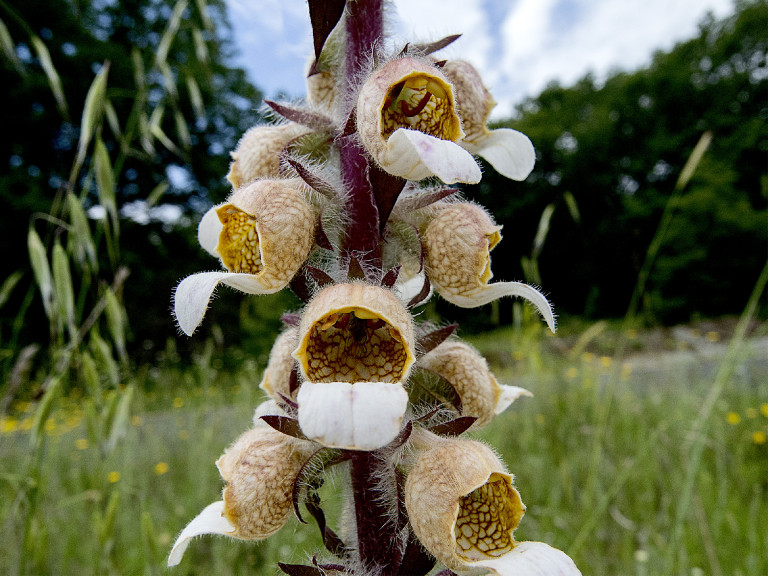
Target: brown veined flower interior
(239, 241)
(354, 345)
(420, 102)
(486, 519)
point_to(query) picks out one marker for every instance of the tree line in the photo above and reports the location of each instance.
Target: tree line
(609, 155)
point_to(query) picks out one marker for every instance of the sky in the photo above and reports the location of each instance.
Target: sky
(519, 46)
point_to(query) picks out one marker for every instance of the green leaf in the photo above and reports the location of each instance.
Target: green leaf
(182, 130)
(115, 320)
(543, 230)
(105, 181)
(50, 72)
(92, 112)
(201, 48)
(161, 55)
(202, 8)
(119, 425)
(89, 374)
(63, 291)
(81, 240)
(8, 285)
(694, 159)
(105, 361)
(9, 48)
(43, 411)
(195, 96)
(41, 269)
(107, 521)
(157, 193)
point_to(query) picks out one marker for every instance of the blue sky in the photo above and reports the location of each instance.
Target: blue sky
(518, 45)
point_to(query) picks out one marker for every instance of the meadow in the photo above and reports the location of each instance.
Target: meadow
(643, 451)
(652, 463)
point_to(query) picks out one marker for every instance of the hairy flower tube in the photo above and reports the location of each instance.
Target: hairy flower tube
(457, 244)
(355, 350)
(467, 371)
(321, 89)
(406, 118)
(510, 152)
(464, 509)
(258, 153)
(262, 234)
(259, 469)
(276, 380)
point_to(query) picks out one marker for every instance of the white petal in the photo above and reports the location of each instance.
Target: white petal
(415, 155)
(508, 395)
(208, 231)
(510, 152)
(531, 559)
(409, 289)
(193, 294)
(209, 521)
(360, 416)
(500, 289)
(266, 408)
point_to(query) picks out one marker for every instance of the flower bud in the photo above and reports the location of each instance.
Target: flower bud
(259, 469)
(355, 350)
(277, 376)
(407, 121)
(263, 235)
(461, 503)
(467, 371)
(258, 153)
(457, 244)
(510, 152)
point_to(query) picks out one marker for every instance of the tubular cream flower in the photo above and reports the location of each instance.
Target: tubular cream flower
(277, 376)
(263, 235)
(321, 89)
(355, 350)
(457, 245)
(510, 152)
(258, 153)
(407, 121)
(259, 469)
(467, 371)
(464, 510)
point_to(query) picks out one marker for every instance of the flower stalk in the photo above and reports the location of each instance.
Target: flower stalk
(336, 205)
(377, 534)
(364, 31)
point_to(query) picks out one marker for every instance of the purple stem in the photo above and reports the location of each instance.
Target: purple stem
(377, 540)
(365, 29)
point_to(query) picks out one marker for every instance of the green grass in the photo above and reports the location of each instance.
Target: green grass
(90, 511)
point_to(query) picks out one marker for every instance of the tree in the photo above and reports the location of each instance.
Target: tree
(172, 110)
(618, 150)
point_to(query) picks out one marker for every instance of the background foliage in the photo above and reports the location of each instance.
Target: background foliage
(118, 117)
(608, 159)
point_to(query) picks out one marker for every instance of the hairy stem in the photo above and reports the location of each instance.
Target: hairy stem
(377, 538)
(364, 30)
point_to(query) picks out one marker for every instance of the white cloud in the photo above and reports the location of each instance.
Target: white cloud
(274, 38)
(518, 46)
(604, 35)
(429, 20)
